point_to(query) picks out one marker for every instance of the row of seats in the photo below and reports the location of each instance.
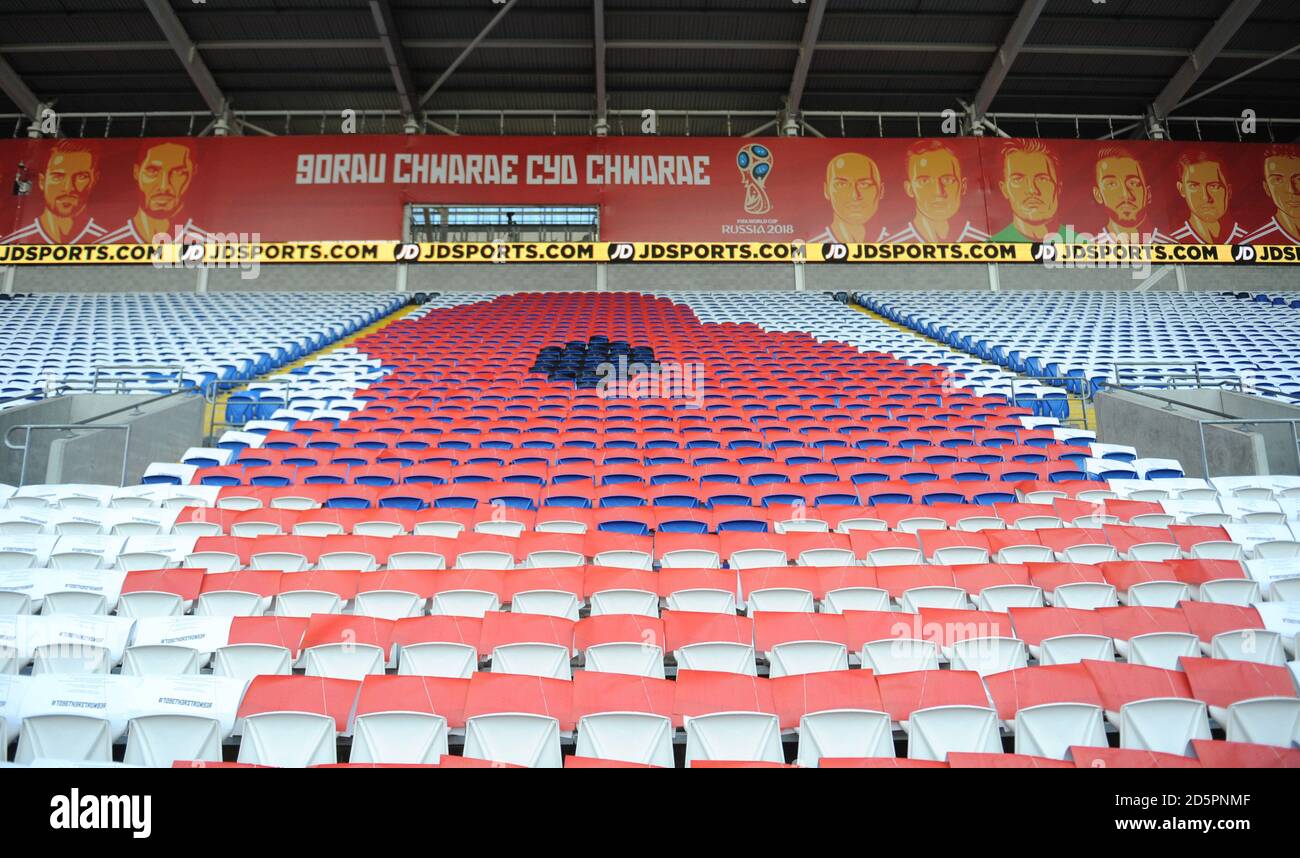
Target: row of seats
(1058, 713)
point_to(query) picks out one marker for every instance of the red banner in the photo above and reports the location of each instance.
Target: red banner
(355, 187)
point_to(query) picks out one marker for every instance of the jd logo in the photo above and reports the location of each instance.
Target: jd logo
(192, 253)
(833, 252)
(406, 253)
(1045, 252)
(619, 252)
(1243, 253)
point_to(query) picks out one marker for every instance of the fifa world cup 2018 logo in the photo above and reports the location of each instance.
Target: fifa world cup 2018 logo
(755, 163)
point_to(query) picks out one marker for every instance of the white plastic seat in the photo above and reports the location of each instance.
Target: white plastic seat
(550, 603)
(1025, 554)
(75, 602)
(956, 555)
(419, 560)
(398, 737)
(244, 661)
(702, 600)
(556, 526)
(1001, 597)
(1230, 591)
(756, 558)
(14, 603)
(1049, 729)
(318, 528)
(516, 738)
(70, 738)
(1277, 549)
(499, 528)
(464, 603)
(532, 659)
(280, 561)
(1265, 721)
(1072, 649)
(344, 660)
(721, 656)
(288, 740)
(634, 737)
(899, 655)
(134, 561)
(634, 659)
(255, 528)
(346, 560)
(1163, 649)
(539, 559)
(785, 599)
(147, 603)
(1154, 552)
(690, 558)
(844, 733)
(915, 523)
(624, 559)
(826, 557)
(793, 658)
(640, 602)
(1285, 590)
(304, 603)
(1037, 522)
(1163, 724)
(975, 523)
(160, 660)
(801, 525)
(1085, 596)
(988, 655)
(388, 604)
(896, 556)
(848, 525)
(733, 736)
(1158, 594)
(1089, 554)
(855, 599)
(212, 561)
(915, 598)
(1254, 645)
(59, 658)
(1217, 549)
(230, 603)
(935, 732)
(457, 661)
(157, 741)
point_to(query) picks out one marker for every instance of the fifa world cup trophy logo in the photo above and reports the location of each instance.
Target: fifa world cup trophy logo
(755, 163)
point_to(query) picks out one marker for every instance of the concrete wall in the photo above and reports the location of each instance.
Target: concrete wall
(161, 431)
(1170, 430)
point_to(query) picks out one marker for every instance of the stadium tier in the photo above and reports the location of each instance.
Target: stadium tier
(588, 529)
(60, 343)
(1089, 337)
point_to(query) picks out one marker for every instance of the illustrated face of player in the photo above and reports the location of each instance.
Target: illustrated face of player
(1029, 184)
(163, 178)
(1122, 190)
(67, 182)
(853, 188)
(935, 182)
(1282, 183)
(1205, 191)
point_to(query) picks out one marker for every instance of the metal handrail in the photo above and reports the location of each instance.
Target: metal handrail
(210, 395)
(27, 438)
(178, 367)
(1201, 424)
(1069, 394)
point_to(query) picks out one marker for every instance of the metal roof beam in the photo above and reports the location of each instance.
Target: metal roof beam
(1006, 56)
(469, 49)
(19, 92)
(811, 29)
(598, 32)
(1201, 57)
(188, 54)
(392, 46)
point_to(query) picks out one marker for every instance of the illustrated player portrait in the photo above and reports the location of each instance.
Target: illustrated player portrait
(1282, 184)
(854, 190)
(71, 172)
(1204, 186)
(163, 173)
(935, 183)
(1122, 190)
(1031, 184)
